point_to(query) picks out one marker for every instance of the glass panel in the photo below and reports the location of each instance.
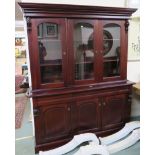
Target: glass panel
(83, 51)
(111, 48)
(50, 53)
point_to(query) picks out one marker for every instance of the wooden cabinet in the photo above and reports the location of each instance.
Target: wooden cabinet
(78, 65)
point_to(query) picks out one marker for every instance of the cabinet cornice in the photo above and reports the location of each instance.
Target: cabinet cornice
(75, 11)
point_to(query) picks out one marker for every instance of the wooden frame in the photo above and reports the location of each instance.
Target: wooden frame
(51, 30)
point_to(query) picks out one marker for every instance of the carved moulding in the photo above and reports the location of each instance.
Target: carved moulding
(110, 149)
(124, 144)
(92, 149)
(129, 127)
(76, 141)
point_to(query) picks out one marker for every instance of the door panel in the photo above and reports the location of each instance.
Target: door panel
(83, 45)
(111, 43)
(53, 122)
(50, 52)
(88, 115)
(113, 110)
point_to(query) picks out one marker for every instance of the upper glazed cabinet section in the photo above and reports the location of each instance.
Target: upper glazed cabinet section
(71, 45)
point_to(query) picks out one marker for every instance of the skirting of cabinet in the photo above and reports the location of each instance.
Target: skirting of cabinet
(58, 143)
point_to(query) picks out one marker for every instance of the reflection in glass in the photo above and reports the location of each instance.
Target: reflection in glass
(111, 50)
(84, 55)
(50, 53)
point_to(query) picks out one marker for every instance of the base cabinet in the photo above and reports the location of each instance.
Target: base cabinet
(61, 120)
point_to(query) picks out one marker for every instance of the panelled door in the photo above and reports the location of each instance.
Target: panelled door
(112, 44)
(113, 108)
(82, 39)
(87, 115)
(52, 122)
(96, 50)
(49, 53)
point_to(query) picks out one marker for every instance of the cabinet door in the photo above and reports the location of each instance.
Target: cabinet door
(48, 54)
(82, 49)
(113, 108)
(52, 122)
(113, 49)
(88, 115)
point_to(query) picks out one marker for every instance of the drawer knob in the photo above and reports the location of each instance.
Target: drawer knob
(64, 53)
(104, 104)
(69, 109)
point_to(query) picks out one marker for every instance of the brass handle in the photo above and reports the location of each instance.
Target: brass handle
(96, 52)
(64, 53)
(99, 104)
(69, 109)
(101, 52)
(104, 104)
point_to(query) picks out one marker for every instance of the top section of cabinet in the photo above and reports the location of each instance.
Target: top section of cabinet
(76, 45)
(75, 11)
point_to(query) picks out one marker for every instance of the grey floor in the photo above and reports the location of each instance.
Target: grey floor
(24, 143)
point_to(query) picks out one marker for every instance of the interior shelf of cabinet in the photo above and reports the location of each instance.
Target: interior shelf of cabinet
(112, 39)
(49, 39)
(111, 59)
(82, 63)
(50, 64)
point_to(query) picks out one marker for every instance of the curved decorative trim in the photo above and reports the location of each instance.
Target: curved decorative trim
(128, 128)
(106, 150)
(127, 142)
(76, 141)
(92, 149)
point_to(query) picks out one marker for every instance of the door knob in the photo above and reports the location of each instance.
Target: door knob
(104, 104)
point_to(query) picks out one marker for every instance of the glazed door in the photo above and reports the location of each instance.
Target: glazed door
(52, 122)
(87, 115)
(82, 39)
(112, 53)
(113, 110)
(49, 54)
